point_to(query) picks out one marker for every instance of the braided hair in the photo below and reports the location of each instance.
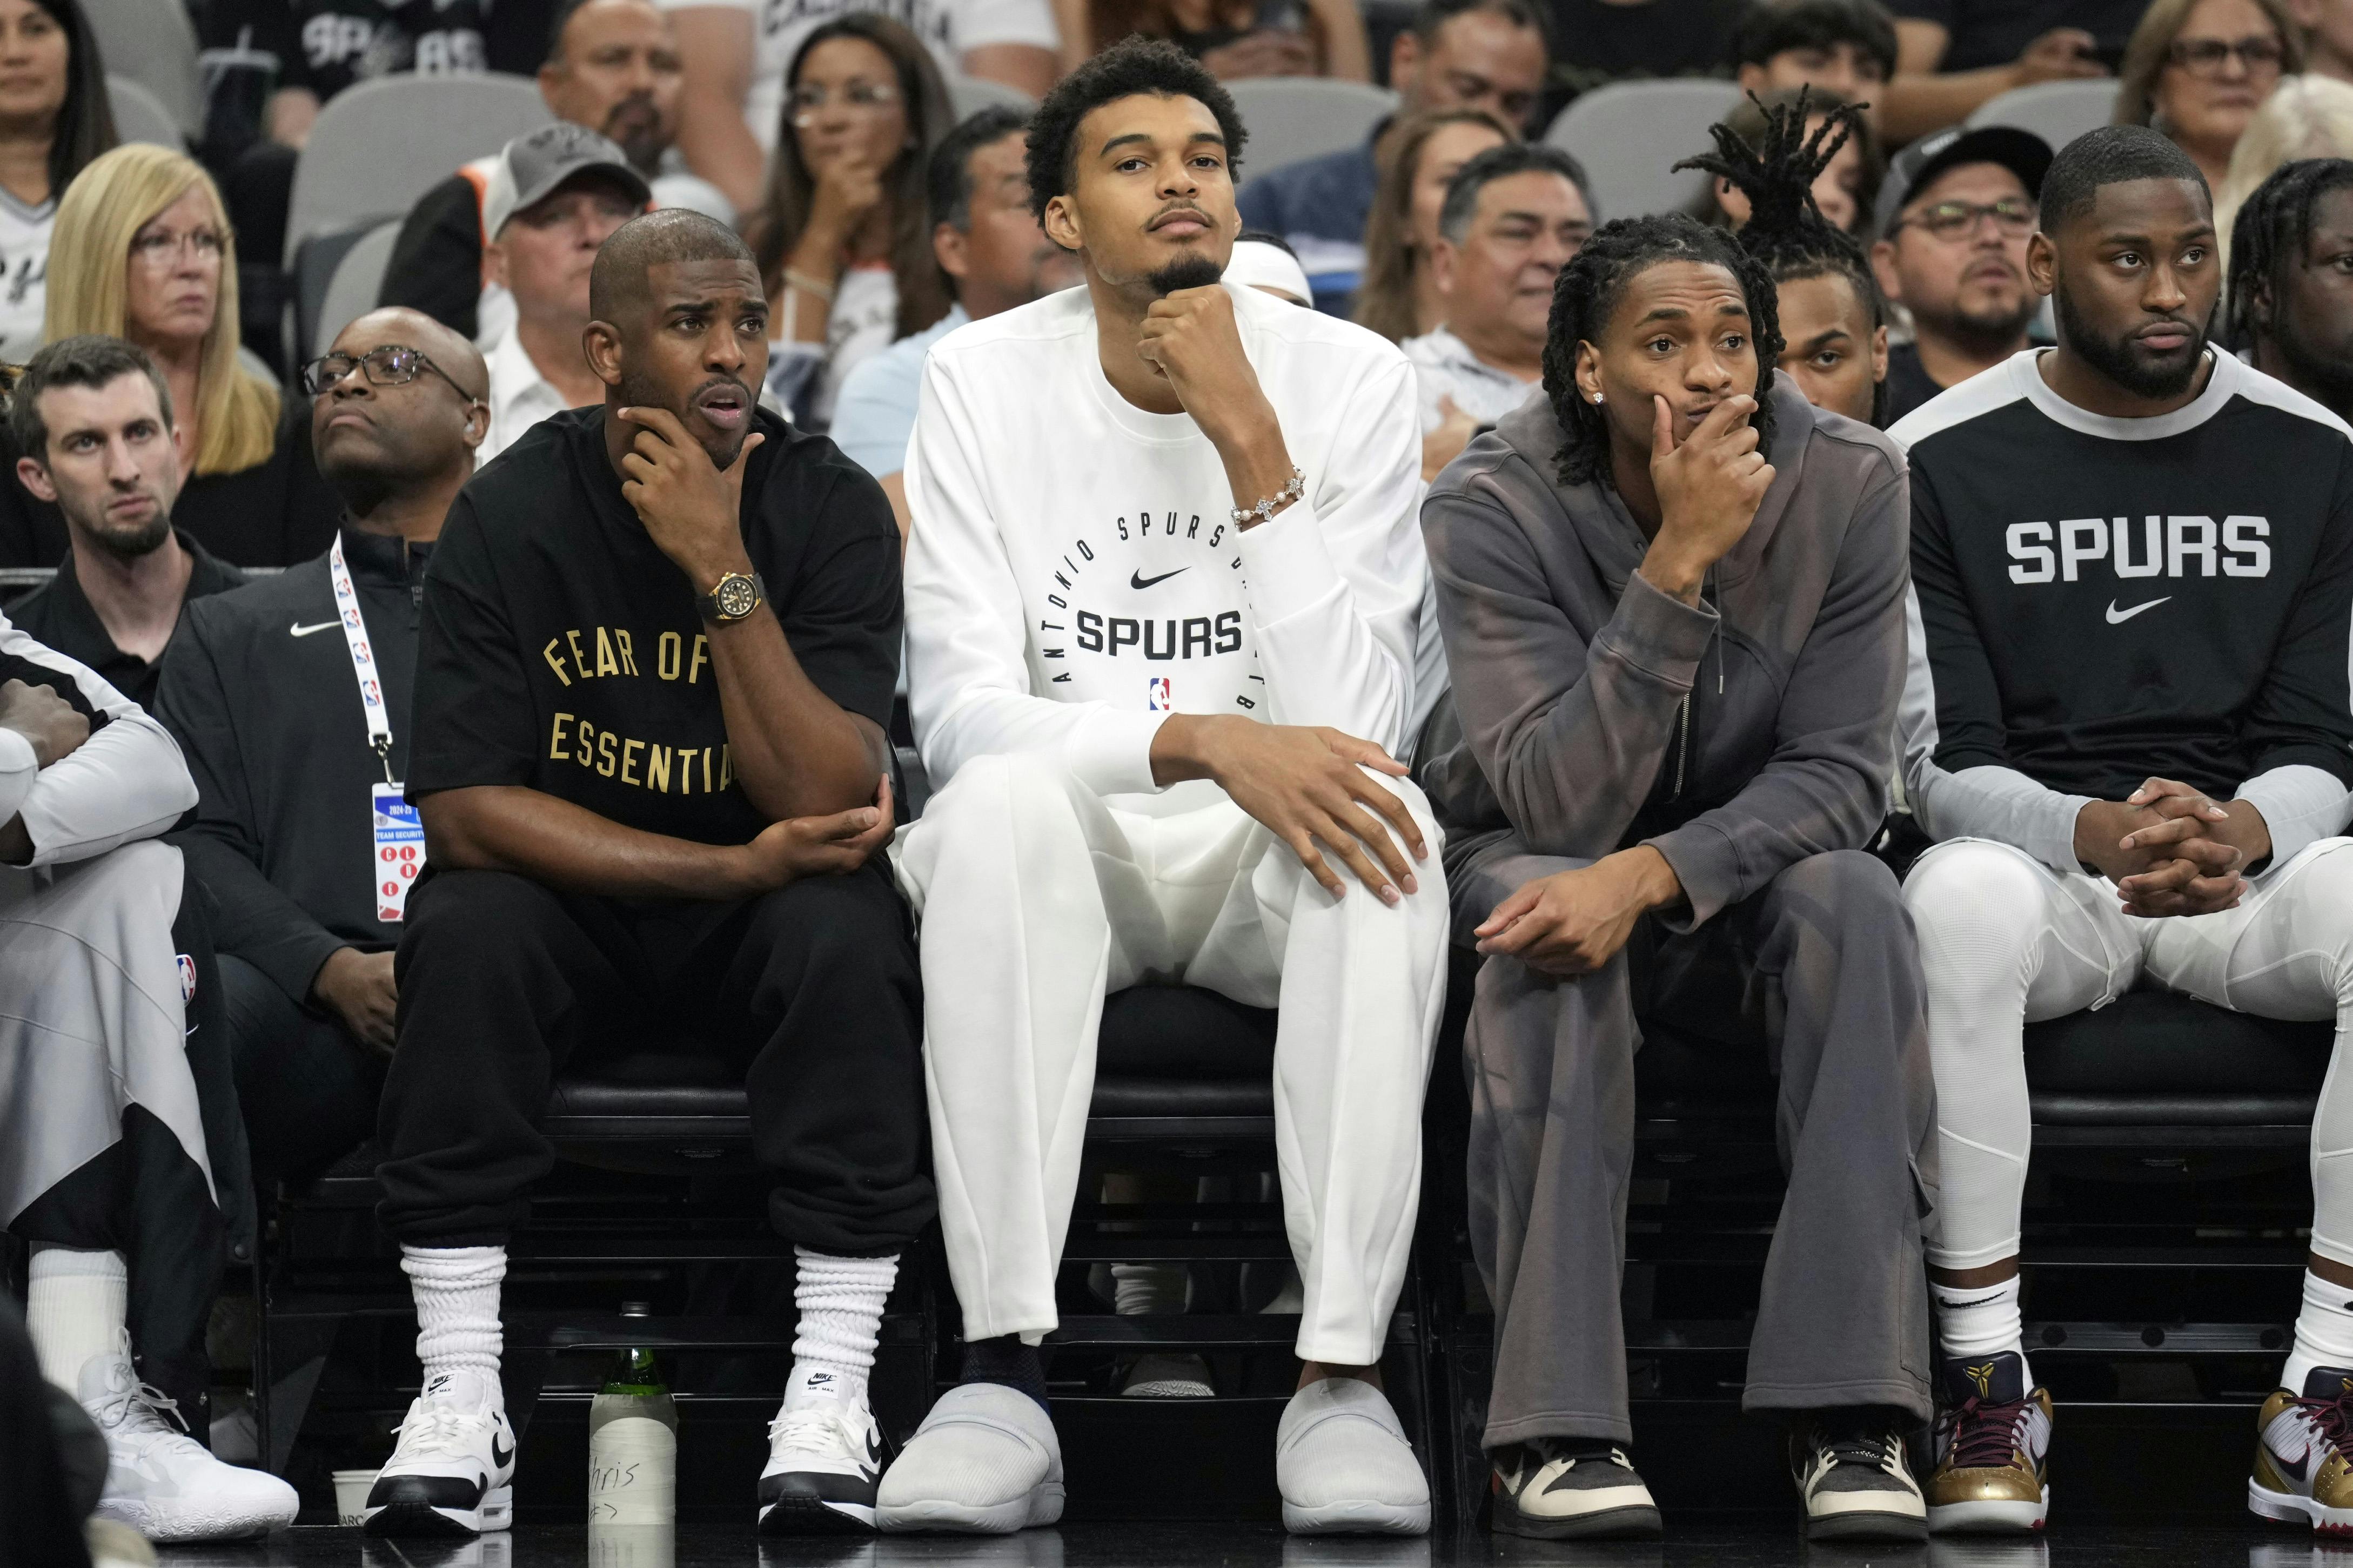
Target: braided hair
(2271, 235)
(1588, 290)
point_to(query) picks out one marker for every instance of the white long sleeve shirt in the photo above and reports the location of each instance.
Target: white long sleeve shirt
(1072, 574)
(128, 781)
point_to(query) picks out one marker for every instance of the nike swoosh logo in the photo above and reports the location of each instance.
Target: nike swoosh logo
(498, 1460)
(299, 630)
(2295, 1471)
(1138, 579)
(2118, 617)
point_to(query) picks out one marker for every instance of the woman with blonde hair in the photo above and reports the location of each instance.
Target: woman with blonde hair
(2311, 116)
(1416, 156)
(142, 250)
(2198, 69)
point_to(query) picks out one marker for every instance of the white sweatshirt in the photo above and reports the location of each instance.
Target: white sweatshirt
(128, 781)
(1072, 576)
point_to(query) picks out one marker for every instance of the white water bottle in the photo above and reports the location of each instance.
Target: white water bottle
(633, 1440)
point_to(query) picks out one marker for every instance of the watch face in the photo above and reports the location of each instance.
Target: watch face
(737, 595)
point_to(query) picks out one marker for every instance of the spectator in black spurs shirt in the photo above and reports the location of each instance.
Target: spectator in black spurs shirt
(98, 412)
(261, 692)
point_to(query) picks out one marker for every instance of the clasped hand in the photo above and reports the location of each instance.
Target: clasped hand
(2170, 849)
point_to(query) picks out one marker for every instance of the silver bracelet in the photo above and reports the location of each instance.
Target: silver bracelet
(1244, 516)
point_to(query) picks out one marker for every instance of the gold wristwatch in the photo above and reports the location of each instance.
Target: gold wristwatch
(734, 596)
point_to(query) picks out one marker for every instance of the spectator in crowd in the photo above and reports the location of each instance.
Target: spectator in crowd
(1955, 213)
(2198, 69)
(612, 67)
(2310, 116)
(1596, 42)
(1458, 54)
(987, 240)
(2290, 280)
(1266, 262)
(1954, 55)
(1398, 296)
(1690, 724)
(1240, 39)
(1849, 183)
(616, 846)
(283, 743)
(555, 197)
(108, 981)
(2035, 734)
(54, 119)
(93, 418)
(1514, 217)
(738, 56)
(1845, 47)
(1832, 320)
(1284, 617)
(843, 238)
(143, 251)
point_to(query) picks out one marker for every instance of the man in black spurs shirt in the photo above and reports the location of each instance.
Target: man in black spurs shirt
(2128, 722)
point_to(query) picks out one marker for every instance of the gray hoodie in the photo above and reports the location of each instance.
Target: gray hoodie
(1593, 713)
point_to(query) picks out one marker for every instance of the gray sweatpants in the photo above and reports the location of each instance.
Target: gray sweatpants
(1818, 968)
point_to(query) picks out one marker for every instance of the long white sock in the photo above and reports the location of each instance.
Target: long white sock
(1979, 1319)
(2324, 1331)
(840, 1301)
(457, 1291)
(76, 1304)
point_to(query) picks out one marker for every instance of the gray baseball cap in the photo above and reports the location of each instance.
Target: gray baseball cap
(2022, 152)
(530, 169)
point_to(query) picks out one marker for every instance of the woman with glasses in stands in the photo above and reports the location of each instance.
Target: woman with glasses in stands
(2198, 69)
(143, 251)
(54, 119)
(844, 239)
(1418, 157)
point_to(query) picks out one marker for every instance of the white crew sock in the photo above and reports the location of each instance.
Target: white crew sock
(1150, 1290)
(76, 1304)
(457, 1291)
(1980, 1319)
(840, 1301)
(2324, 1331)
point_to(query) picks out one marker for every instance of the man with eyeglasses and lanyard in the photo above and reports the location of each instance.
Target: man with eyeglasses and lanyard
(1954, 213)
(290, 699)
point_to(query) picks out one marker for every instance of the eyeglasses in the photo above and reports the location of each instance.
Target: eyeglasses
(390, 365)
(1950, 221)
(809, 99)
(162, 248)
(2206, 57)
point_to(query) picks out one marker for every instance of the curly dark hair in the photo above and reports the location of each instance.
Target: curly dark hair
(1126, 70)
(2271, 233)
(1588, 290)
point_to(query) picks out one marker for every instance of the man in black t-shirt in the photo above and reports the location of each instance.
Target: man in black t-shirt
(658, 649)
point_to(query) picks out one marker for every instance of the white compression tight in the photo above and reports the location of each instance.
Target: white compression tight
(2005, 942)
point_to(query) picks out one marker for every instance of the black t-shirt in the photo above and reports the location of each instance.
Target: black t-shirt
(59, 615)
(327, 45)
(561, 650)
(1909, 384)
(1594, 42)
(1996, 32)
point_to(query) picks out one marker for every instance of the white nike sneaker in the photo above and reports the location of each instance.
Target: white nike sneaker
(1344, 1465)
(825, 1455)
(451, 1474)
(159, 1480)
(985, 1461)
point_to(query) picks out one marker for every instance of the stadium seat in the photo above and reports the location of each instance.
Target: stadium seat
(154, 43)
(381, 144)
(968, 95)
(1293, 119)
(2058, 111)
(351, 289)
(1629, 135)
(140, 115)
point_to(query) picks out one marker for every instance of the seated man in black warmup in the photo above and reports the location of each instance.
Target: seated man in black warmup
(658, 649)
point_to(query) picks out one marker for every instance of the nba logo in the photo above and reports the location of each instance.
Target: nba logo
(187, 976)
(1157, 695)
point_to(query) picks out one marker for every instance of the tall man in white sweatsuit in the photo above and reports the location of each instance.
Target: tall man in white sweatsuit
(1162, 591)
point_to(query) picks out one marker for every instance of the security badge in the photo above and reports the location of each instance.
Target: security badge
(399, 849)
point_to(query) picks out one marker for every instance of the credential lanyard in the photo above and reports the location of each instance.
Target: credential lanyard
(356, 638)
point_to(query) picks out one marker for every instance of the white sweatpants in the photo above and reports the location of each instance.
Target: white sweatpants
(2006, 942)
(1037, 899)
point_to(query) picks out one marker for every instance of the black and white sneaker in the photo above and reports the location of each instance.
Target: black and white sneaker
(1570, 1488)
(1855, 1481)
(825, 1458)
(451, 1473)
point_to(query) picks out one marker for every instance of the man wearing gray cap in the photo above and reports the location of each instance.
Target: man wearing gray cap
(1954, 215)
(553, 198)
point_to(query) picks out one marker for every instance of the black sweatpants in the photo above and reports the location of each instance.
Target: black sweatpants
(812, 988)
(307, 1087)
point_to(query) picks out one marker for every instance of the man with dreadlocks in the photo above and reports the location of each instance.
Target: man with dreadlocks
(1833, 320)
(1678, 663)
(2291, 298)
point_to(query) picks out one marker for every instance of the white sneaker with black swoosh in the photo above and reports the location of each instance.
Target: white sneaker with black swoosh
(452, 1472)
(825, 1458)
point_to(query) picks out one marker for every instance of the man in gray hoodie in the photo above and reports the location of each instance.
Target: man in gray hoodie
(1675, 668)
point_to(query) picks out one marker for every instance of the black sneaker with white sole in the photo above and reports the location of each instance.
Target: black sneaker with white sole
(1570, 1488)
(1856, 1483)
(825, 1460)
(452, 1472)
